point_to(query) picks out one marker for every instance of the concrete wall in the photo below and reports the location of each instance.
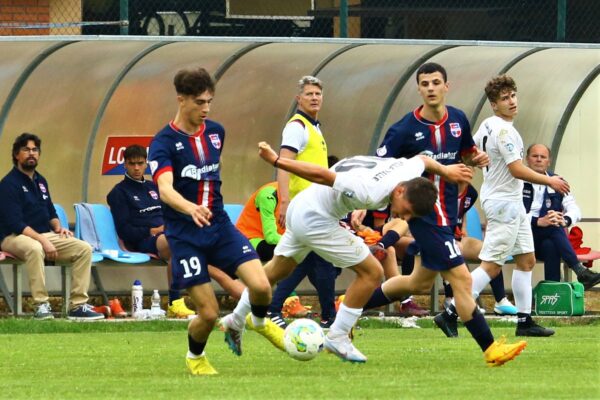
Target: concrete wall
(77, 94)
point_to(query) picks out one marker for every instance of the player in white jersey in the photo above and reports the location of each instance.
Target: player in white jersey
(312, 224)
(508, 228)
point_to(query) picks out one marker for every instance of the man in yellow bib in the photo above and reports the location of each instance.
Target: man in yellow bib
(302, 140)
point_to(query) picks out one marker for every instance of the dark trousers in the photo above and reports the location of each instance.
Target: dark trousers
(552, 245)
(321, 275)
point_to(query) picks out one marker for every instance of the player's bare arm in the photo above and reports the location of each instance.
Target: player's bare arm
(308, 171)
(478, 159)
(199, 213)
(456, 173)
(283, 186)
(520, 171)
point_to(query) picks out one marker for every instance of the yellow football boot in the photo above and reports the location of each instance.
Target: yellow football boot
(178, 309)
(499, 352)
(271, 331)
(200, 366)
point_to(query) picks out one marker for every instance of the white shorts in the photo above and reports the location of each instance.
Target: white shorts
(308, 231)
(508, 231)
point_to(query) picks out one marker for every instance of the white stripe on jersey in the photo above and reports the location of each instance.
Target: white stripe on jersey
(202, 157)
(198, 143)
(205, 192)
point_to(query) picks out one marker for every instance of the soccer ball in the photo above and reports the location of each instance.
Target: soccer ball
(303, 339)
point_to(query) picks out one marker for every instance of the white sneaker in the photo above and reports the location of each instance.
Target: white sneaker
(505, 307)
(344, 349)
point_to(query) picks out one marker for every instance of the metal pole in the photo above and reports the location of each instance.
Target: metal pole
(344, 18)
(561, 20)
(124, 16)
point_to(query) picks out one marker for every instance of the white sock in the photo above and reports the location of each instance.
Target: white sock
(521, 286)
(344, 320)
(194, 356)
(241, 310)
(257, 322)
(480, 280)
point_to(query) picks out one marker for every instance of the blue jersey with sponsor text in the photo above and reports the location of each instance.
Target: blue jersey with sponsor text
(194, 161)
(446, 141)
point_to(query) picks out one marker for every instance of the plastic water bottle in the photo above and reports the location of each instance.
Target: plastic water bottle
(155, 310)
(137, 298)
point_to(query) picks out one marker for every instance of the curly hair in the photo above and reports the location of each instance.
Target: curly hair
(498, 85)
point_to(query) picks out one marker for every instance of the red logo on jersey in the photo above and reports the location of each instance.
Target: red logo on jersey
(455, 129)
(153, 194)
(215, 140)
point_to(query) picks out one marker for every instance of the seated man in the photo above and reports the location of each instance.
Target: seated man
(137, 213)
(30, 229)
(552, 212)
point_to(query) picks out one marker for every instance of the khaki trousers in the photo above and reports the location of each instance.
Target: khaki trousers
(74, 252)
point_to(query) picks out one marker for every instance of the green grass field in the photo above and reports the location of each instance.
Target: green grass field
(63, 360)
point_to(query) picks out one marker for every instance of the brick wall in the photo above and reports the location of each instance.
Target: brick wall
(30, 12)
(24, 12)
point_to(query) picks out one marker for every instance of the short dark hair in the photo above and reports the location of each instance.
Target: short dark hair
(422, 194)
(430, 68)
(21, 141)
(498, 85)
(193, 82)
(135, 151)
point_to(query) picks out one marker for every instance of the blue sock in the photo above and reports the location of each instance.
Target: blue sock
(480, 330)
(497, 285)
(258, 310)
(378, 299)
(448, 292)
(173, 295)
(196, 348)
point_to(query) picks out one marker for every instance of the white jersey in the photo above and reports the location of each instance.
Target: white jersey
(295, 136)
(503, 144)
(362, 182)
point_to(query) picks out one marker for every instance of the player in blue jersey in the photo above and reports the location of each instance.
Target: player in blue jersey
(185, 163)
(442, 132)
(137, 212)
(470, 248)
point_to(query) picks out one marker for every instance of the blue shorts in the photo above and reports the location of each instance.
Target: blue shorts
(147, 245)
(220, 245)
(439, 250)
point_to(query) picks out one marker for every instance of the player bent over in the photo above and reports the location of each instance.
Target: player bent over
(357, 183)
(312, 222)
